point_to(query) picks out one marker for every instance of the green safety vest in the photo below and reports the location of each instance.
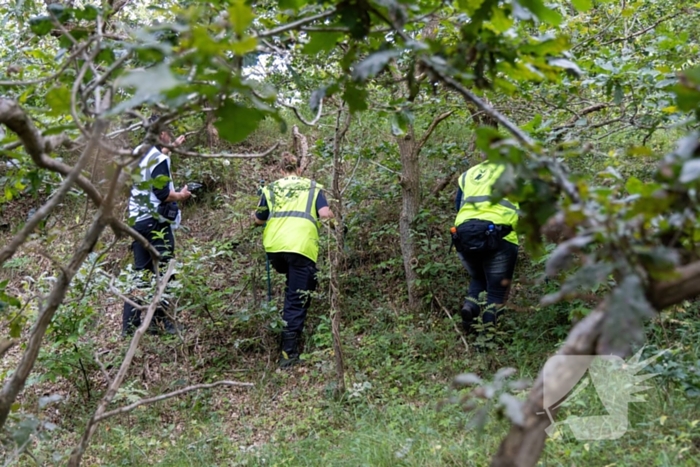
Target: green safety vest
(292, 226)
(477, 186)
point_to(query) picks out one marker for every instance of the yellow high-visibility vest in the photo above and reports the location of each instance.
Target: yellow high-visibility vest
(292, 226)
(477, 186)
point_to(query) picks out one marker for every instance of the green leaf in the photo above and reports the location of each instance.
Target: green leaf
(690, 171)
(619, 94)
(469, 6)
(321, 42)
(41, 25)
(152, 80)
(693, 75)
(315, 98)
(15, 329)
(568, 65)
(149, 84)
(61, 13)
(624, 318)
(542, 12)
(370, 66)
(235, 122)
(587, 277)
(292, 4)
(687, 98)
(241, 16)
(357, 19)
(356, 98)
(58, 99)
(634, 186)
(244, 46)
(533, 124)
(513, 408)
(89, 13)
(400, 122)
(25, 429)
(582, 5)
(500, 21)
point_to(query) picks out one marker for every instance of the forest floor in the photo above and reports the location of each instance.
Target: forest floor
(399, 408)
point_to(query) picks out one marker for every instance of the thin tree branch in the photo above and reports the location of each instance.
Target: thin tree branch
(14, 384)
(222, 155)
(647, 29)
(7, 344)
(294, 24)
(108, 72)
(9, 250)
(436, 121)
(63, 67)
(162, 397)
(79, 450)
(301, 119)
(12, 116)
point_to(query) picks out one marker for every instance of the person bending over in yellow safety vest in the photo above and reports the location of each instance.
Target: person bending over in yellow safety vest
(292, 206)
(486, 242)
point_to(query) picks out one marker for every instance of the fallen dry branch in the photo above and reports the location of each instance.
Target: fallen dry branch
(162, 397)
(449, 315)
(185, 153)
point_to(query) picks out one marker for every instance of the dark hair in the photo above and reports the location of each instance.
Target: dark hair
(289, 162)
(163, 128)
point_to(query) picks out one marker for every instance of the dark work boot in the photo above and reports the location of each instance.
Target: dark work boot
(290, 349)
(162, 324)
(131, 319)
(469, 312)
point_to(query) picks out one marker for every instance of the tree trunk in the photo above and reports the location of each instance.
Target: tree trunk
(337, 259)
(410, 195)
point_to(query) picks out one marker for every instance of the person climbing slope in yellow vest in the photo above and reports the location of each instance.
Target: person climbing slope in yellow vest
(486, 242)
(291, 208)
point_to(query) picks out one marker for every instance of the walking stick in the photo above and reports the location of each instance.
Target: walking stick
(267, 258)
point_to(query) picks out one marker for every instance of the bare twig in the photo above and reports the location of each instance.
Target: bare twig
(302, 119)
(436, 121)
(7, 344)
(63, 67)
(449, 315)
(294, 24)
(647, 29)
(162, 397)
(223, 156)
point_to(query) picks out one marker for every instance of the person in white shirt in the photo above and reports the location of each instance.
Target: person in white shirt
(154, 211)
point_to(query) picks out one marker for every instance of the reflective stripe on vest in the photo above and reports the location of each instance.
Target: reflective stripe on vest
(476, 203)
(303, 214)
(482, 199)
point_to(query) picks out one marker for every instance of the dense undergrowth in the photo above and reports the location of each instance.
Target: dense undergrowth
(399, 407)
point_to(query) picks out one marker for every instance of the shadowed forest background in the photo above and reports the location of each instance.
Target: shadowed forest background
(592, 105)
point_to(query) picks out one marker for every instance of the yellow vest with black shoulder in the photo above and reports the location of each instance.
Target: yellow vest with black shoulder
(292, 226)
(477, 187)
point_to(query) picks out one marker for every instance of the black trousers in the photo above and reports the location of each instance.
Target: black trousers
(160, 235)
(491, 272)
(301, 281)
